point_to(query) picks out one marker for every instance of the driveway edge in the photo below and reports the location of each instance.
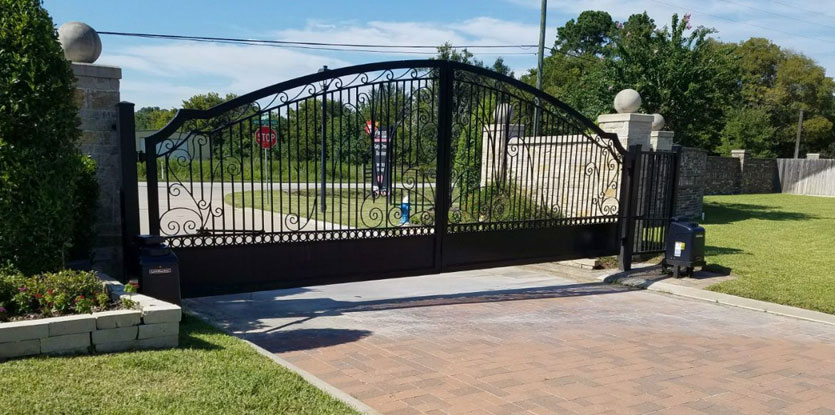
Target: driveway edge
(331, 390)
(719, 298)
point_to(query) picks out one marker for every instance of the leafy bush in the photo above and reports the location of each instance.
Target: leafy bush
(57, 293)
(503, 203)
(86, 204)
(42, 172)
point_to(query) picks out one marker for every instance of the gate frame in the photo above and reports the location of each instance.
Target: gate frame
(446, 78)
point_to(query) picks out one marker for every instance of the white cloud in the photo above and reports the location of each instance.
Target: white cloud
(166, 74)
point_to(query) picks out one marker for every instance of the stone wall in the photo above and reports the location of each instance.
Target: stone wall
(723, 177)
(96, 94)
(759, 176)
(740, 174)
(690, 188)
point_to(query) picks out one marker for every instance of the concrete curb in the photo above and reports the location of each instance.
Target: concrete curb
(331, 390)
(719, 298)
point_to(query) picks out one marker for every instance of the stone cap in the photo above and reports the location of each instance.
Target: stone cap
(662, 134)
(813, 156)
(96, 71)
(630, 116)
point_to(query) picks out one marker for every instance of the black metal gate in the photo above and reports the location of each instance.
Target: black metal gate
(374, 171)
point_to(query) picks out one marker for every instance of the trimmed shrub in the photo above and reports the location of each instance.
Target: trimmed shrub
(41, 169)
(50, 294)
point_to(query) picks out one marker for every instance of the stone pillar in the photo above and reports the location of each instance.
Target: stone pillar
(661, 140)
(631, 128)
(813, 156)
(742, 155)
(96, 94)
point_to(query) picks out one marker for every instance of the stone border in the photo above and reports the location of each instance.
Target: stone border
(154, 324)
(331, 390)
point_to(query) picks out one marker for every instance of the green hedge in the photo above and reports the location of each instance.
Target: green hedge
(47, 192)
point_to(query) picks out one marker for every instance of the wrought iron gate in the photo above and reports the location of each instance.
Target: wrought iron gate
(378, 170)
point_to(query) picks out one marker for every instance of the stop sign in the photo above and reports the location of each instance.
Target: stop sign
(266, 137)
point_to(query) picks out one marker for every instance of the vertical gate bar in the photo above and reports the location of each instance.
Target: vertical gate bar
(324, 149)
(129, 191)
(444, 147)
(153, 186)
(630, 179)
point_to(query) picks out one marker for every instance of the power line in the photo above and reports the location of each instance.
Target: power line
(310, 45)
(795, 7)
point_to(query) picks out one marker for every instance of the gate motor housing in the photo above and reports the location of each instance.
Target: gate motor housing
(159, 270)
(685, 246)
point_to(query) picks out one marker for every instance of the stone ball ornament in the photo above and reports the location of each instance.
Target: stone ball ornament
(80, 42)
(627, 101)
(657, 122)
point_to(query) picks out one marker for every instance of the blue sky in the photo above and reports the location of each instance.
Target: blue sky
(163, 73)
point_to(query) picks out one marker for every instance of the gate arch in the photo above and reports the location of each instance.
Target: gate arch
(378, 170)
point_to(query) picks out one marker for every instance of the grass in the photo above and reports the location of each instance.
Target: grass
(354, 207)
(209, 373)
(781, 247)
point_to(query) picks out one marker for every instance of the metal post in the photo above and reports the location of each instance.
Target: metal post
(674, 190)
(324, 150)
(539, 63)
(153, 185)
(129, 189)
(799, 129)
(630, 180)
(442, 195)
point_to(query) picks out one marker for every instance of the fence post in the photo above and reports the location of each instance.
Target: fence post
(153, 185)
(129, 189)
(630, 180)
(442, 187)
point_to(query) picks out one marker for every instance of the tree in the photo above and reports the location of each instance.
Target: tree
(683, 76)
(41, 169)
(590, 34)
(748, 128)
(153, 118)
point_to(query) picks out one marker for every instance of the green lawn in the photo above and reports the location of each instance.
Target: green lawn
(781, 246)
(210, 373)
(354, 207)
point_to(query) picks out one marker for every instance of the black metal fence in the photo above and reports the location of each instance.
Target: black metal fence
(657, 201)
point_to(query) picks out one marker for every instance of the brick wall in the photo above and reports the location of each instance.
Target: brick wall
(690, 188)
(723, 177)
(759, 176)
(96, 94)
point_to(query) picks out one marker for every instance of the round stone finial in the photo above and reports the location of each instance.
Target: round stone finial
(628, 100)
(657, 122)
(503, 114)
(80, 42)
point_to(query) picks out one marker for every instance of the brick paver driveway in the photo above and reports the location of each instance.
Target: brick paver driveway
(518, 340)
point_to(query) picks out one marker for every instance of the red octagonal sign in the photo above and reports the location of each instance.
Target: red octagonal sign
(266, 137)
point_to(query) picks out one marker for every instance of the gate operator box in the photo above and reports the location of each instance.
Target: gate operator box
(685, 246)
(159, 269)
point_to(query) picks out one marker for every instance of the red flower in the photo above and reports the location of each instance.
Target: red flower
(38, 295)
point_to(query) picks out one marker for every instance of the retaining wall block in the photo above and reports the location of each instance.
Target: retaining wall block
(81, 323)
(21, 348)
(23, 330)
(115, 335)
(70, 343)
(118, 318)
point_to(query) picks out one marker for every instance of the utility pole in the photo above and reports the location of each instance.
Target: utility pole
(799, 129)
(539, 61)
(540, 53)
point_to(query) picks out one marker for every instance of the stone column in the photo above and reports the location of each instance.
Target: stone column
(813, 156)
(632, 128)
(96, 94)
(742, 155)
